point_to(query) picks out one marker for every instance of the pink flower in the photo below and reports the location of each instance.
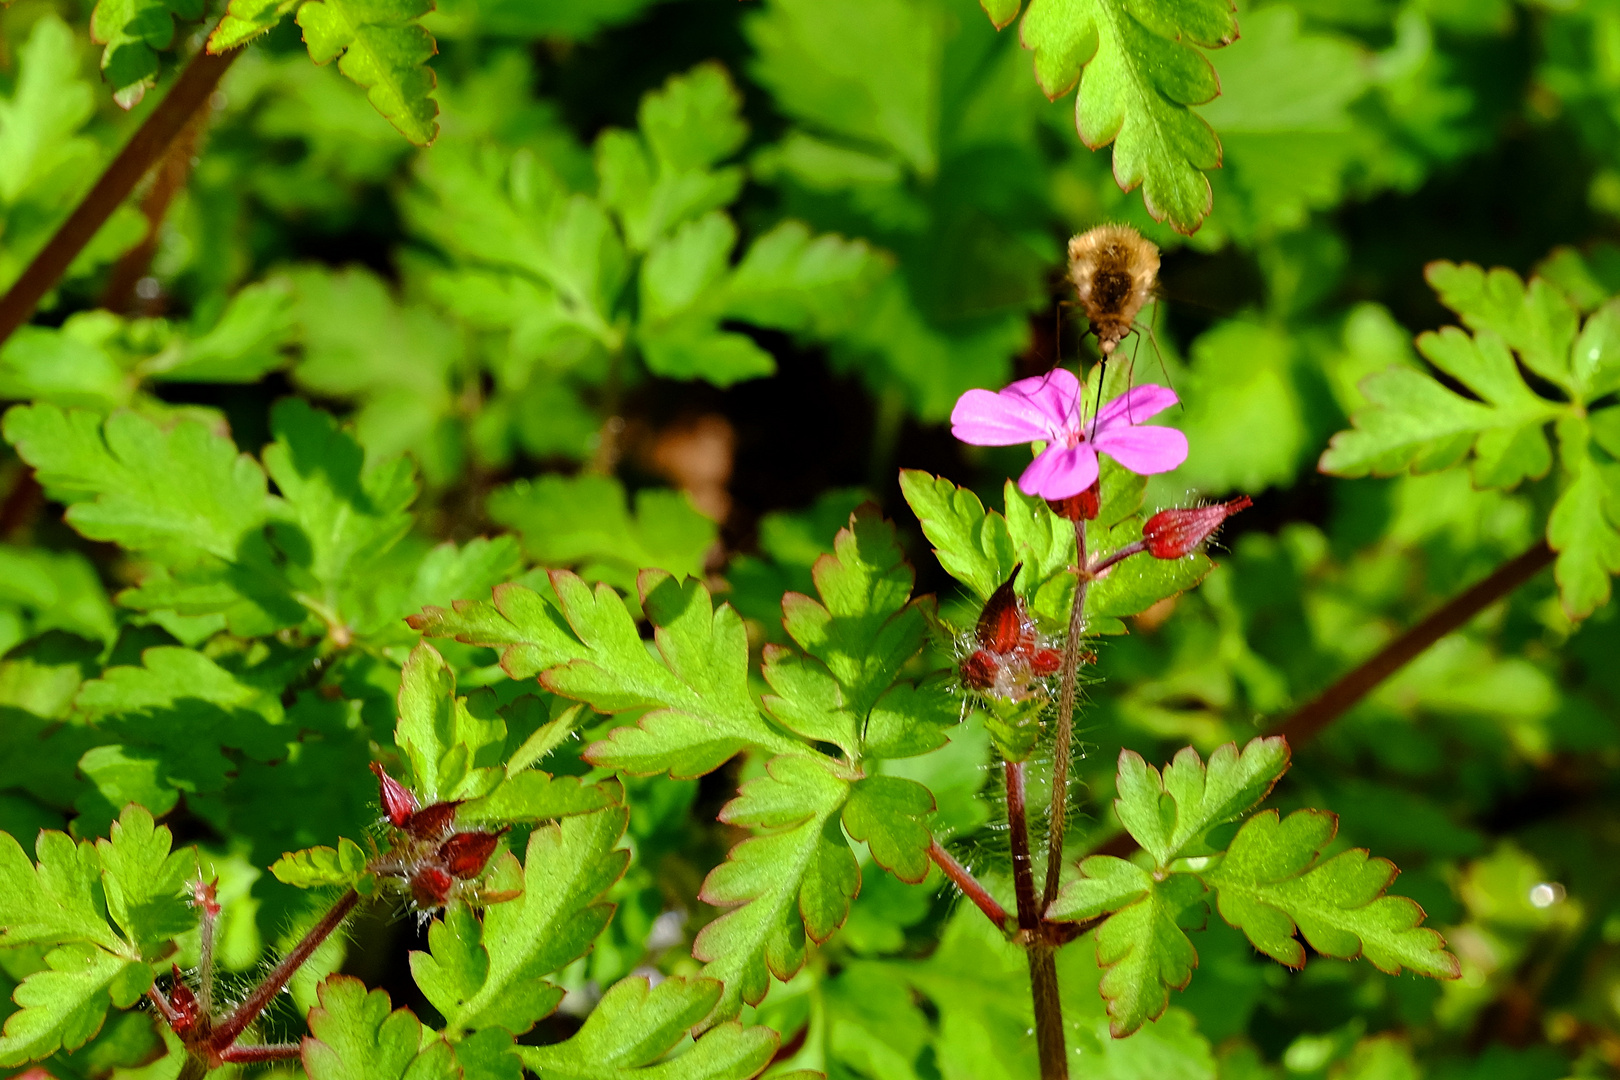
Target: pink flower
(1047, 409)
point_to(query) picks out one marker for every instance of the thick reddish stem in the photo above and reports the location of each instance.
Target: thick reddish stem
(151, 141)
(963, 879)
(1042, 966)
(1332, 703)
(244, 1014)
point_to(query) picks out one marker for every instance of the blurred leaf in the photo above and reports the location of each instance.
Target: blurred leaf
(585, 521)
(134, 31)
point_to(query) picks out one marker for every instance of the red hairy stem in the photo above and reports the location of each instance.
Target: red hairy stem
(1042, 967)
(150, 142)
(1111, 558)
(1057, 821)
(247, 1055)
(963, 879)
(244, 1014)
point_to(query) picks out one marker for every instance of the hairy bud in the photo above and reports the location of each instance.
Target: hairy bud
(1009, 654)
(1170, 534)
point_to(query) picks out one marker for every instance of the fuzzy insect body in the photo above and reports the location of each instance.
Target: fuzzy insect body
(1113, 270)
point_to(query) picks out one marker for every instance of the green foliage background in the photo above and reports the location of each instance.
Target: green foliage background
(808, 226)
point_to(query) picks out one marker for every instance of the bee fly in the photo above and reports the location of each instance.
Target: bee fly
(1114, 271)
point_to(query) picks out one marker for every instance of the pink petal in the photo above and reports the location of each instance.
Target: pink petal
(1060, 472)
(1029, 410)
(985, 419)
(1143, 450)
(1135, 406)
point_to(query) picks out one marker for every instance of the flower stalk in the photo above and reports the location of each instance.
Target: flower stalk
(1042, 965)
(1062, 745)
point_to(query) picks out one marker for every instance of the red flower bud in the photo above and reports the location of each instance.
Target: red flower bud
(1009, 655)
(184, 1003)
(1082, 507)
(432, 822)
(205, 895)
(398, 802)
(401, 808)
(465, 854)
(1170, 534)
(430, 887)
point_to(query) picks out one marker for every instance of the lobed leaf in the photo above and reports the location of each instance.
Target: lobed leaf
(703, 711)
(143, 880)
(1146, 951)
(890, 813)
(795, 880)
(54, 902)
(1141, 74)
(529, 631)
(1271, 882)
(317, 867)
(635, 1024)
(566, 870)
(134, 32)
(355, 1036)
(1170, 814)
(63, 1005)
(385, 50)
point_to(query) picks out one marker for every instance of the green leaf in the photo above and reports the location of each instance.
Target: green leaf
(144, 880)
(972, 544)
(703, 711)
(56, 901)
(635, 1024)
(566, 870)
(385, 50)
(1271, 880)
(135, 31)
(1169, 815)
(59, 589)
(669, 175)
(63, 1006)
(1582, 529)
(139, 486)
(535, 796)
(1146, 952)
(1535, 321)
(454, 749)
(867, 70)
(355, 1036)
(1416, 423)
(530, 632)
(890, 813)
(1105, 885)
(245, 20)
(794, 880)
(181, 710)
(317, 867)
(39, 147)
(1001, 12)
(1142, 74)
(586, 522)
(347, 512)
